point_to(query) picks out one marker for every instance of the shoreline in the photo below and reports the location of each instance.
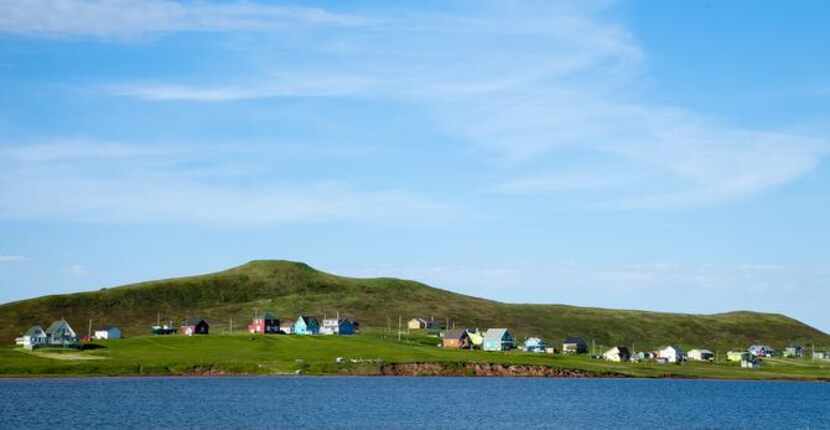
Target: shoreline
(419, 370)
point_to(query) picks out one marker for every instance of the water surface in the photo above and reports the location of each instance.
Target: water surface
(404, 403)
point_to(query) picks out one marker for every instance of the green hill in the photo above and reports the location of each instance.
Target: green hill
(288, 289)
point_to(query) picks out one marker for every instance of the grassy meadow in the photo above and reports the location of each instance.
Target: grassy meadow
(316, 355)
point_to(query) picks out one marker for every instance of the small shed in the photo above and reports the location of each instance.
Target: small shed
(194, 327)
(109, 332)
(265, 324)
(306, 325)
(737, 356)
(574, 345)
(498, 339)
(617, 354)
(751, 363)
(700, 355)
(456, 338)
(534, 344)
(33, 338)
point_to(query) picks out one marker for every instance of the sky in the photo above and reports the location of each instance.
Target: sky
(622, 154)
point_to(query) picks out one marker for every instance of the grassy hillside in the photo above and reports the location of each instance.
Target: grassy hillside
(365, 354)
(289, 288)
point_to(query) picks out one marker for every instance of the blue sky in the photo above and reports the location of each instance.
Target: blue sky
(620, 154)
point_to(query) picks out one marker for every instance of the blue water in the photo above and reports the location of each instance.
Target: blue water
(403, 403)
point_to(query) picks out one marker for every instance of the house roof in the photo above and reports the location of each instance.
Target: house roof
(34, 331)
(268, 316)
(286, 323)
(194, 321)
(108, 328)
(456, 333)
(495, 333)
(59, 325)
(574, 339)
(308, 319)
(702, 351)
(534, 341)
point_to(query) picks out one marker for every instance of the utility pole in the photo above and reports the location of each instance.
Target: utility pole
(231, 330)
(89, 334)
(399, 327)
(593, 347)
(158, 319)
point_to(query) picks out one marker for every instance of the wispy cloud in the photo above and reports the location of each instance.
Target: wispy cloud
(129, 18)
(12, 258)
(526, 85)
(146, 183)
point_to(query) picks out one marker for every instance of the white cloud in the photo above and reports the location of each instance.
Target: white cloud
(12, 258)
(129, 18)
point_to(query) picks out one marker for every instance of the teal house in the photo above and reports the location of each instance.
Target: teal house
(306, 325)
(498, 339)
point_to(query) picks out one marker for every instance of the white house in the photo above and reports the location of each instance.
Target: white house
(700, 355)
(60, 334)
(672, 354)
(107, 333)
(617, 353)
(330, 326)
(33, 338)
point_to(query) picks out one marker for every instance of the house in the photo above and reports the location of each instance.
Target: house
(498, 339)
(476, 338)
(456, 338)
(35, 337)
(643, 356)
(416, 324)
(751, 363)
(737, 356)
(306, 325)
(672, 354)
(821, 355)
(287, 326)
(194, 326)
(265, 324)
(162, 330)
(337, 326)
(617, 353)
(109, 332)
(574, 345)
(700, 355)
(60, 334)
(761, 351)
(794, 351)
(534, 344)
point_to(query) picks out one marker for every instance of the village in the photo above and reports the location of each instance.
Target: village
(61, 335)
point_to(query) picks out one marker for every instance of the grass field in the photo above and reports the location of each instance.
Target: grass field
(316, 355)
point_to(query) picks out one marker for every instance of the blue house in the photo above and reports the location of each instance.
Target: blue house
(534, 344)
(306, 325)
(346, 327)
(498, 339)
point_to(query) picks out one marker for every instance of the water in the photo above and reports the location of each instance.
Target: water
(402, 403)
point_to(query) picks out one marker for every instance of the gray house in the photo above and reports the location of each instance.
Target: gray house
(35, 337)
(60, 334)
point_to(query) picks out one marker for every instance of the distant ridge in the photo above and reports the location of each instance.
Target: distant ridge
(288, 288)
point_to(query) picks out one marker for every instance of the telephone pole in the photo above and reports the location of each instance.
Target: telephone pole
(399, 328)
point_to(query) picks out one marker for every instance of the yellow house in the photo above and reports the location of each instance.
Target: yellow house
(417, 324)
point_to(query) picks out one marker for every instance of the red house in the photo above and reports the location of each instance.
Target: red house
(266, 324)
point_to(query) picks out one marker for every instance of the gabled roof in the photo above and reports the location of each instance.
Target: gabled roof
(60, 326)
(286, 323)
(495, 334)
(108, 328)
(35, 331)
(574, 339)
(308, 319)
(534, 341)
(456, 333)
(194, 321)
(268, 316)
